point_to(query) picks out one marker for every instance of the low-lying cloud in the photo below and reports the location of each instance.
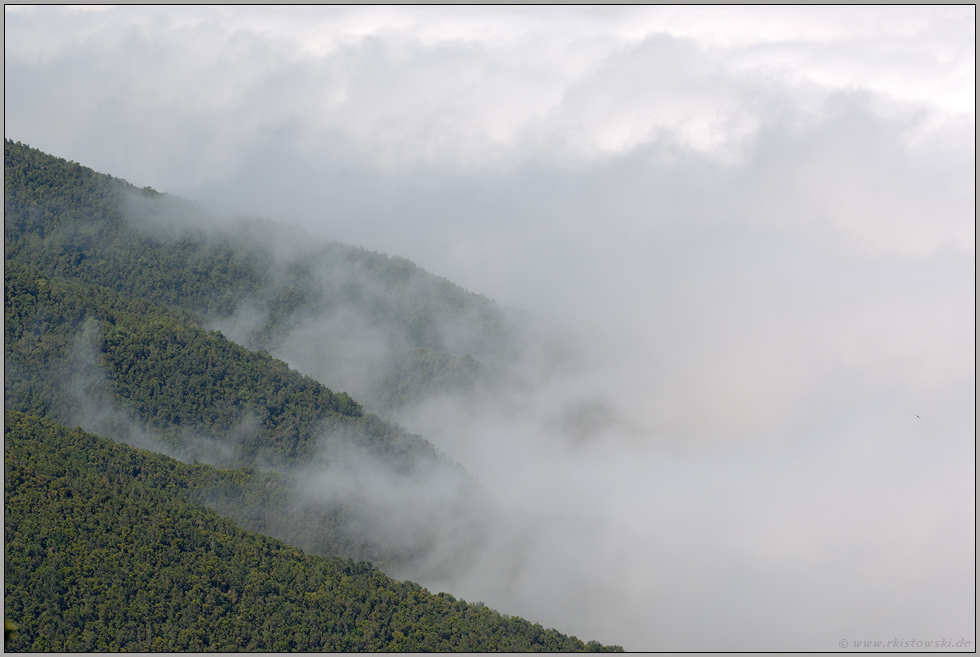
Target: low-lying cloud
(742, 241)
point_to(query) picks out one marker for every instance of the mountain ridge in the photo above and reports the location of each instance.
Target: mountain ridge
(110, 326)
(105, 549)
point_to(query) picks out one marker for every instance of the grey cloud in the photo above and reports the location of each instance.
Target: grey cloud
(388, 98)
(713, 444)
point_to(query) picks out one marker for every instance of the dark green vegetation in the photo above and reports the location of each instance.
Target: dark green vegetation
(71, 222)
(106, 326)
(132, 370)
(105, 551)
(79, 353)
(173, 375)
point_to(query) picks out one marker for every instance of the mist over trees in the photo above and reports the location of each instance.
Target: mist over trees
(106, 549)
(66, 219)
(721, 395)
(113, 300)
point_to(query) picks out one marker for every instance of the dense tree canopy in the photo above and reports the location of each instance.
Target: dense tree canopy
(71, 222)
(69, 346)
(111, 547)
(104, 551)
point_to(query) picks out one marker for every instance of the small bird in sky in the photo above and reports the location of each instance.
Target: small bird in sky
(917, 416)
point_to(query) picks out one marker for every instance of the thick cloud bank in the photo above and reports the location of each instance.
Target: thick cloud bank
(750, 230)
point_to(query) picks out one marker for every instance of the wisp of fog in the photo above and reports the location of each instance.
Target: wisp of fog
(729, 402)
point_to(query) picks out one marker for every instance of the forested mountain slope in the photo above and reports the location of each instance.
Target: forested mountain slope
(255, 280)
(178, 378)
(138, 373)
(106, 550)
(116, 361)
(111, 296)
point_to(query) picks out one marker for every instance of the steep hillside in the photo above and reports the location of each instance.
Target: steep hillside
(178, 378)
(258, 282)
(103, 329)
(112, 298)
(106, 550)
(138, 373)
(89, 340)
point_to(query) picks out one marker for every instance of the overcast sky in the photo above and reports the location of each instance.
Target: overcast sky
(759, 223)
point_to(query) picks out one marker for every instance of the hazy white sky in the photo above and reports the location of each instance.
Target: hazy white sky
(760, 222)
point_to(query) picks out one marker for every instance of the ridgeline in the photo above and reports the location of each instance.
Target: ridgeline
(185, 524)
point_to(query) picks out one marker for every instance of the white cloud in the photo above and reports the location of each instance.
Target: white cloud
(410, 86)
(756, 223)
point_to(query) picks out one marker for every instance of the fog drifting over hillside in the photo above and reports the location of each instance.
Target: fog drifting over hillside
(754, 226)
